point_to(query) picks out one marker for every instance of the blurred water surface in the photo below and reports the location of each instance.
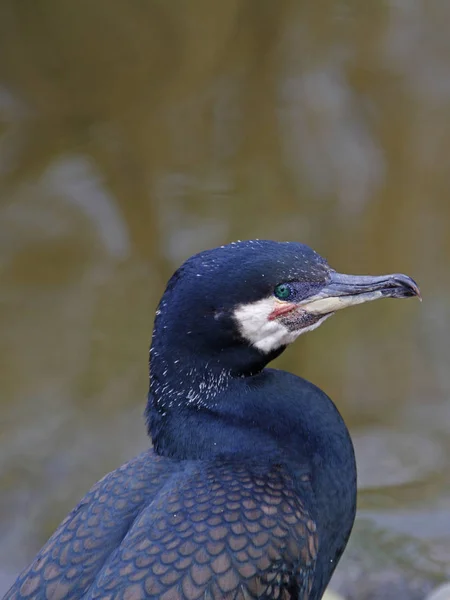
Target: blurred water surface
(133, 134)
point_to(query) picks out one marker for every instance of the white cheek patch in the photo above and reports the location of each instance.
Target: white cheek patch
(267, 334)
(255, 326)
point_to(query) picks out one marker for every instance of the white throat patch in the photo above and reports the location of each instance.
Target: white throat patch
(265, 334)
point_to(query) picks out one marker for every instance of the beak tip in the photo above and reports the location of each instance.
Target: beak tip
(406, 287)
(416, 291)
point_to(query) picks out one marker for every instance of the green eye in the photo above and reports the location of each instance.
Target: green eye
(283, 291)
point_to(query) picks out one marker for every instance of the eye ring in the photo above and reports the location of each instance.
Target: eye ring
(283, 291)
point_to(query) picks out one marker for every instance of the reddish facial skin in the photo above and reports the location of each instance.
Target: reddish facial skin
(283, 309)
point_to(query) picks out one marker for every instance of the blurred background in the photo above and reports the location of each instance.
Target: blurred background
(133, 134)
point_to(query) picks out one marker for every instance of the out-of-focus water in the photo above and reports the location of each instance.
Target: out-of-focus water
(133, 134)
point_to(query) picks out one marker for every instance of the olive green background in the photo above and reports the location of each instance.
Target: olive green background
(134, 133)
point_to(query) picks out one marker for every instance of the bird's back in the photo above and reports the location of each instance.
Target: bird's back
(181, 530)
(71, 559)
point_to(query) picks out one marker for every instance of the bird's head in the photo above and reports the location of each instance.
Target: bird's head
(240, 305)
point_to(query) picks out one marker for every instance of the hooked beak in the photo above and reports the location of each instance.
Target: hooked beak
(347, 290)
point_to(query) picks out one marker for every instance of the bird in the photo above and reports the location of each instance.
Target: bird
(249, 487)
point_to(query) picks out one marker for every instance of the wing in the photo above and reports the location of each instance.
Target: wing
(217, 531)
(69, 562)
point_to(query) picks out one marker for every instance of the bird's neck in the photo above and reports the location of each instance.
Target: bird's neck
(199, 408)
(195, 396)
(177, 383)
(190, 372)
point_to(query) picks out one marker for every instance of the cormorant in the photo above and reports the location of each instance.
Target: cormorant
(249, 490)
